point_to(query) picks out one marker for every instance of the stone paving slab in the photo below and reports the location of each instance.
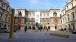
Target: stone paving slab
(71, 36)
(38, 40)
(30, 36)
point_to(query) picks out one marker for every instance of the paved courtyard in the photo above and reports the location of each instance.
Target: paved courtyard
(33, 36)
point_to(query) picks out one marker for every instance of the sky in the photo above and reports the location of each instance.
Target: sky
(37, 4)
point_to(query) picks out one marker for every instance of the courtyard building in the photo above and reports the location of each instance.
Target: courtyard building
(45, 18)
(68, 18)
(54, 18)
(4, 14)
(57, 19)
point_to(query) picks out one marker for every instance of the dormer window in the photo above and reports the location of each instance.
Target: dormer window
(55, 14)
(20, 14)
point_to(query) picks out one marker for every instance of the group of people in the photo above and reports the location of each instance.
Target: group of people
(39, 28)
(48, 28)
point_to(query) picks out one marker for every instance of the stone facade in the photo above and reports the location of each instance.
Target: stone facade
(22, 17)
(4, 14)
(47, 17)
(55, 18)
(68, 18)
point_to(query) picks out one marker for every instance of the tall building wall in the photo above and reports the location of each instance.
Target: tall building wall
(69, 15)
(43, 17)
(4, 14)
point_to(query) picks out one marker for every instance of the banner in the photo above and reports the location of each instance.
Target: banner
(19, 20)
(55, 20)
(37, 17)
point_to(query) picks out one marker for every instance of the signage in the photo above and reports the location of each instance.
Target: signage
(19, 18)
(37, 17)
(55, 20)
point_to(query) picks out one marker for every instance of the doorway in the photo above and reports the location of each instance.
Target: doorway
(55, 27)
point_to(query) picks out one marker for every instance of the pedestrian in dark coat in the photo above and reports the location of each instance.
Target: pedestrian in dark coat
(39, 28)
(48, 27)
(25, 28)
(33, 27)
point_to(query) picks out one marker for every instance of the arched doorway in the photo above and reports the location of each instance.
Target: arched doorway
(55, 27)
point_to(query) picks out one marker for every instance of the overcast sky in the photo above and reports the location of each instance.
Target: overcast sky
(37, 4)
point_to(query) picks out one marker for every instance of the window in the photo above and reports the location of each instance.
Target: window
(61, 21)
(0, 25)
(33, 14)
(69, 25)
(44, 14)
(40, 14)
(6, 18)
(47, 13)
(2, 4)
(0, 16)
(30, 14)
(55, 14)
(65, 19)
(72, 4)
(8, 8)
(73, 26)
(68, 17)
(9, 19)
(67, 7)
(20, 14)
(4, 25)
(72, 15)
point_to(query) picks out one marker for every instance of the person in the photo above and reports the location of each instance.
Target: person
(48, 27)
(69, 29)
(25, 28)
(33, 27)
(64, 29)
(40, 28)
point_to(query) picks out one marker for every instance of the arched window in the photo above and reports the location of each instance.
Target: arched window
(68, 17)
(20, 14)
(73, 15)
(55, 14)
(73, 26)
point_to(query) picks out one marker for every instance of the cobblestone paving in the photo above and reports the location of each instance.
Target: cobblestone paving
(33, 36)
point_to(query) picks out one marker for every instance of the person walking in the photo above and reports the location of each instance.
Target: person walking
(39, 27)
(47, 29)
(33, 27)
(25, 28)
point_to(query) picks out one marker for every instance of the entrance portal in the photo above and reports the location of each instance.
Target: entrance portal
(55, 27)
